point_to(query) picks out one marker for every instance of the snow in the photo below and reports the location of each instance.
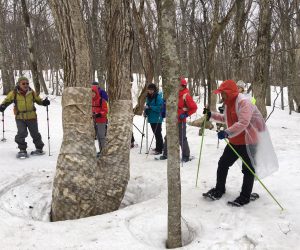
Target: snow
(141, 222)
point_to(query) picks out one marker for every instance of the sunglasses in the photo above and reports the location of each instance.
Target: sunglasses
(24, 83)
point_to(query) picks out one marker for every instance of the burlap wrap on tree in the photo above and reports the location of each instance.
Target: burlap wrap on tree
(113, 165)
(73, 193)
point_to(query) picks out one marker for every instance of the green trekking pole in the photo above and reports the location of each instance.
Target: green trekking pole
(226, 140)
(203, 129)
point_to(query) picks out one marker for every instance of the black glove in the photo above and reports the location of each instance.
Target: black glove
(207, 112)
(45, 102)
(98, 115)
(2, 107)
(221, 110)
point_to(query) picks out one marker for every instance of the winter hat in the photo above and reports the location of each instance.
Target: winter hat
(95, 83)
(183, 82)
(22, 78)
(241, 84)
(152, 86)
(228, 85)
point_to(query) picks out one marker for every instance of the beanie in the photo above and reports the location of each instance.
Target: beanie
(95, 83)
(152, 86)
(183, 82)
(241, 84)
(22, 78)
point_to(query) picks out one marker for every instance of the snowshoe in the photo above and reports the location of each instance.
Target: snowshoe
(37, 152)
(213, 194)
(22, 154)
(186, 159)
(161, 158)
(241, 201)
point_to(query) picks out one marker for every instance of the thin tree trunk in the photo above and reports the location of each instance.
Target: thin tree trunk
(30, 46)
(261, 71)
(170, 72)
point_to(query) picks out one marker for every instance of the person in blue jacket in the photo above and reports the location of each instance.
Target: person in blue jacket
(153, 109)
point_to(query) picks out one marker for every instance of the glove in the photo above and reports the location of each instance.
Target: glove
(147, 107)
(98, 115)
(45, 102)
(221, 110)
(2, 107)
(222, 135)
(183, 116)
(207, 112)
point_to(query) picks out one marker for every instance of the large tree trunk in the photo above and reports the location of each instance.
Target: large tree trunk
(170, 72)
(261, 70)
(6, 73)
(113, 166)
(73, 193)
(30, 46)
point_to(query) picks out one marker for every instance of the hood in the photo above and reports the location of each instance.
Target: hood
(95, 90)
(230, 88)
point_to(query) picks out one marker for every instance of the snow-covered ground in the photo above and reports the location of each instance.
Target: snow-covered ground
(141, 223)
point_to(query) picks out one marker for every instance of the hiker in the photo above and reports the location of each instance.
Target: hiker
(153, 109)
(99, 109)
(248, 135)
(242, 88)
(186, 107)
(24, 98)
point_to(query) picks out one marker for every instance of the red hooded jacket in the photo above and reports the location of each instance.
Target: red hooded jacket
(99, 106)
(186, 104)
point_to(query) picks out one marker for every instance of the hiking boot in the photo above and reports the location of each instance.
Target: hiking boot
(163, 157)
(213, 194)
(185, 159)
(37, 152)
(241, 201)
(22, 154)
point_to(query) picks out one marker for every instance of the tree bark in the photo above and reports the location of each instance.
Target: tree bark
(262, 59)
(113, 166)
(31, 50)
(73, 194)
(170, 73)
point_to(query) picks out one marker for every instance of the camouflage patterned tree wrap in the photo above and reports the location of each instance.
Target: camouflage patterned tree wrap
(113, 165)
(73, 194)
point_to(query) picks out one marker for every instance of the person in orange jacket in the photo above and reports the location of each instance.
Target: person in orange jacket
(186, 107)
(100, 110)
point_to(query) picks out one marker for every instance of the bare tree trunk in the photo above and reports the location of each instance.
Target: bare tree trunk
(73, 193)
(146, 59)
(217, 29)
(32, 57)
(170, 72)
(114, 165)
(261, 71)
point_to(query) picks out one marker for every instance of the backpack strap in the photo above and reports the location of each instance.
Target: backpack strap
(185, 107)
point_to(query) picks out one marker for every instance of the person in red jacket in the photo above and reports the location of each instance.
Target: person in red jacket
(186, 107)
(99, 109)
(248, 135)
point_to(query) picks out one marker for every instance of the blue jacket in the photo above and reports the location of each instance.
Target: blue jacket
(154, 112)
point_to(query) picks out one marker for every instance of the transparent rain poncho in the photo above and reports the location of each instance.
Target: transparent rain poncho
(258, 142)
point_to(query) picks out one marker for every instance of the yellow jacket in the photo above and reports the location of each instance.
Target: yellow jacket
(24, 104)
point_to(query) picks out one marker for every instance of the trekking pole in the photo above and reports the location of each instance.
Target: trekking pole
(203, 130)
(138, 129)
(143, 135)
(252, 172)
(147, 152)
(3, 131)
(48, 128)
(182, 144)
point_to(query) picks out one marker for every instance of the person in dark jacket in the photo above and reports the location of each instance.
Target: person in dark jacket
(153, 109)
(26, 118)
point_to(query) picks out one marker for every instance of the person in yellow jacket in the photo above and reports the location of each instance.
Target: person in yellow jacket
(24, 98)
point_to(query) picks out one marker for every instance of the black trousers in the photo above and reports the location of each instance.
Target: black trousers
(156, 129)
(227, 160)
